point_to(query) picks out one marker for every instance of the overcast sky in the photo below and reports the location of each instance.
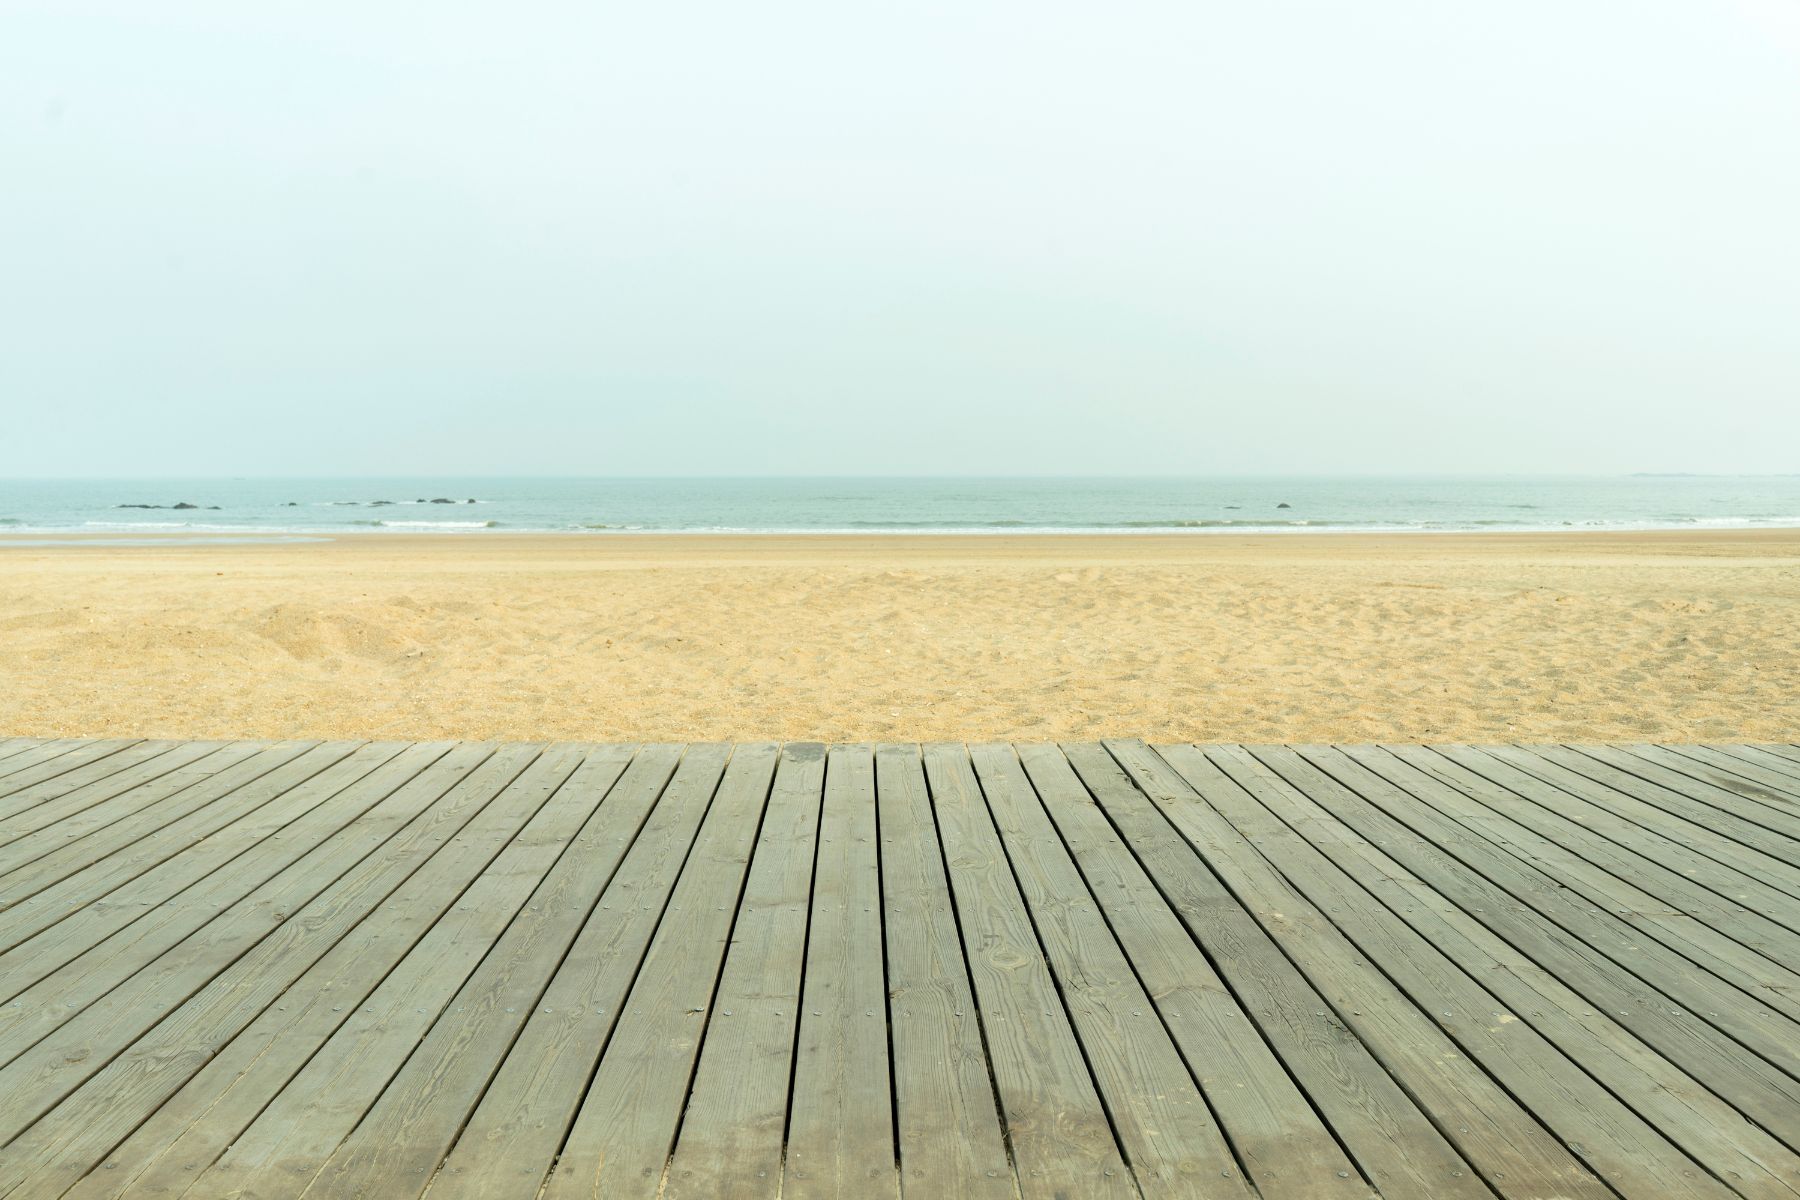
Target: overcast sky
(808, 236)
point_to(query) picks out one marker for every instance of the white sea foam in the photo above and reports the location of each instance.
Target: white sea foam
(436, 524)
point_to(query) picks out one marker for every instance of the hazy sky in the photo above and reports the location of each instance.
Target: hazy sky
(805, 236)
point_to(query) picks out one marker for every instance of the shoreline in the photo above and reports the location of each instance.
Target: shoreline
(490, 533)
(677, 548)
(975, 537)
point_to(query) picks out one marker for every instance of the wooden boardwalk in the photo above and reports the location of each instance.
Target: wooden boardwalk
(451, 970)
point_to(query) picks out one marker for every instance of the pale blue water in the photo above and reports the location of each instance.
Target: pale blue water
(257, 507)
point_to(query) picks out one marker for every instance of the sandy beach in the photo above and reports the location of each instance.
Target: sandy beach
(1657, 636)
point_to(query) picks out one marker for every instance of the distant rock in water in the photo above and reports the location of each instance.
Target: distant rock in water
(183, 504)
(443, 500)
(470, 501)
(292, 504)
(1284, 504)
(379, 503)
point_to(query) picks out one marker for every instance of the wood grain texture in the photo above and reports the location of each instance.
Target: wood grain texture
(951, 1142)
(446, 971)
(1162, 1121)
(627, 1126)
(1057, 1125)
(736, 1122)
(512, 1139)
(841, 1130)
(1500, 1136)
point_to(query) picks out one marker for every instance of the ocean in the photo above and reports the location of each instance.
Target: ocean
(262, 508)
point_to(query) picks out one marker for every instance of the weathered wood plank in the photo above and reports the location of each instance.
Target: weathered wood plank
(736, 1121)
(1285, 1147)
(1163, 1123)
(1724, 935)
(48, 759)
(627, 1125)
(841, 1128)
(53, 975)
(1742, 770)
(391, 971)
(1061, 1137)
(1448, 909)
(197, 1004)
(140, 886)
(99, 1073)
(189, 1129)
(164, 1154)
(77, 841)
(1768, 758)
(1516, 1155)
(199, 808)
(396, 1147)
(14, 745)
(1584, 945)
(90, 805)
(951, 1142)
(1736, 794)
(1620, 818)
(1787, 750)
(512, 1138)
(1679, 819)
(26, 787)
(396, 971)
(1628, 1152)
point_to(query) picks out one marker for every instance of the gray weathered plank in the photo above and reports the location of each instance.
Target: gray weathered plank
(165, 879)
(1767, 758)
(1502, 1138)
(56, 973)
(395, 1149)
(137, 769)
(736, 1121)
(400, 1143)
(627, 1125)
(14, 745)
(1628, 1152)
(1622, 819)
(1734, 793)
(841, 1128)
(1772, 780)
(951, 1142)
(82, 765)
(1721, 933)
(1285, 1147)
(99, 1073)
(395, 972)
(1163, 1122)
(391, 971)
(511, 1140)
(1448, 909)
(127, 819)
(199, 808)
(1690, 1016)
(49, 759)
(1678, 818)
(1061, 1138)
